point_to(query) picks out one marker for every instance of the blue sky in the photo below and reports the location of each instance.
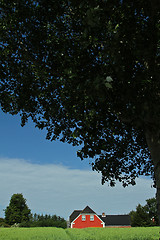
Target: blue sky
(53, 179)
(30, 143)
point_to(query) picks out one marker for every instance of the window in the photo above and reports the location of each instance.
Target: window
(91, 217)
(83, 218)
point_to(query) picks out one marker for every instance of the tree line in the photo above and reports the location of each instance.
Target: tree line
(145, 216)
(17, 213)
(40, 220)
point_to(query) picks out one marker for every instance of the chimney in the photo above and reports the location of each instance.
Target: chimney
(103, 214)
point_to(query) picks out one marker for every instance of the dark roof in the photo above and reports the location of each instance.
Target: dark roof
(88, 210)
(74, 215)
(116, 220)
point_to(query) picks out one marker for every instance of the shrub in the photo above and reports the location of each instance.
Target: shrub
(3, 224)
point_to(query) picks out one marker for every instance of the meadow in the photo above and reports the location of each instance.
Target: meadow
(150, 233)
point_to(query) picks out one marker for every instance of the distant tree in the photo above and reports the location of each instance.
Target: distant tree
(34, 217)
(151, 209)
(3, 223)
(2, 220)
(139, 217)
(38, 220)
(145, 215)
(17, 211)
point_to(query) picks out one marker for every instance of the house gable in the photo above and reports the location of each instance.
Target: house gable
(88, 210)
(86, 218)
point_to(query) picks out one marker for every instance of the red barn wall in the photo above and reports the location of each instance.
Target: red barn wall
(78, 223)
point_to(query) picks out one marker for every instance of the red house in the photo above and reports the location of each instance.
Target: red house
(88, 218)
(85, 218)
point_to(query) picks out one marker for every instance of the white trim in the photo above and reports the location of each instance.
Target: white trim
(72, 225)
(74, 220)
(103, 223)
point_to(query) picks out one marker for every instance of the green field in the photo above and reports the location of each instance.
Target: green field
(80, 234)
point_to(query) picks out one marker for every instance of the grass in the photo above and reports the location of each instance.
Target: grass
(151, 233)
(115, 234)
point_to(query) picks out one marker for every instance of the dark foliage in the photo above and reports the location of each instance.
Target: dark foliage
(145, 216)
(88, 72)
(37, 220)
(3, 223)
(17, 211)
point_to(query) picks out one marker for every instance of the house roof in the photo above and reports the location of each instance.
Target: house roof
(116, 220)
(88, 210)
(74, 214)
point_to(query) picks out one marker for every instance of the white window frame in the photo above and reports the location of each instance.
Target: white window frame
(83, 217)
(91, 217)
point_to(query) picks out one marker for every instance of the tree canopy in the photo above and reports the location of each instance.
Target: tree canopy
(146, 215)
(88, 72)
(17, 211)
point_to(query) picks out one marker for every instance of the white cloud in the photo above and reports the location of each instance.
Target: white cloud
(56, 189)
